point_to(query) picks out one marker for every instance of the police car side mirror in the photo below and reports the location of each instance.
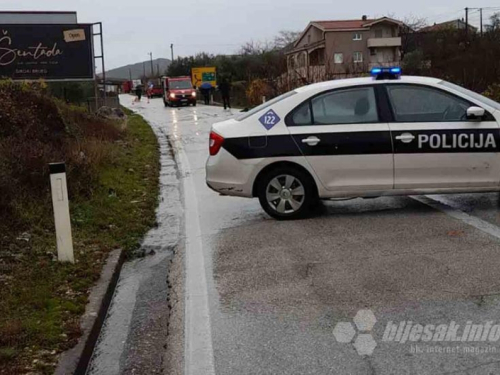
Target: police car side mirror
(475, 113)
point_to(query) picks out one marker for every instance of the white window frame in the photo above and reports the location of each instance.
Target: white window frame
(357, 36)
(357, 54)
(338, 54)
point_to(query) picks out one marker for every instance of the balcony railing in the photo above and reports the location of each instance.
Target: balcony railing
(384, 42)
(372, 65)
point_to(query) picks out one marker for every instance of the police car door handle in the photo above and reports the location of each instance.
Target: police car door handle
(405, 137)
(311, 141)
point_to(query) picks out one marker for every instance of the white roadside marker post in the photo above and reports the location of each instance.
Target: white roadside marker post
(60, 202)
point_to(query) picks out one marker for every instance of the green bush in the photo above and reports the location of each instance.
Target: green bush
(113, 183)
(36, 130)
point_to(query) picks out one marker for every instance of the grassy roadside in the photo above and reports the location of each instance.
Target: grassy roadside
(41, 300)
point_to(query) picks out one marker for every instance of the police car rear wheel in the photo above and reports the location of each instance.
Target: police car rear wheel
(286, 193)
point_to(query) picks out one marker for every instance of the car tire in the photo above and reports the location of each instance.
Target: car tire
(287, 193)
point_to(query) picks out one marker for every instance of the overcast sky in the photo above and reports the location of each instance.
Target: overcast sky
(134, 28)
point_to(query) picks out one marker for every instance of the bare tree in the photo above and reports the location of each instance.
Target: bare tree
(412, 23)
(286, 38)
(255, 48)
(410, 28)
(494, 22)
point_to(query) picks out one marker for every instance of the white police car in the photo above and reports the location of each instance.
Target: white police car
(383, 135)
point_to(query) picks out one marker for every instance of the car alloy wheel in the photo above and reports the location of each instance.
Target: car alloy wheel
(285, 194)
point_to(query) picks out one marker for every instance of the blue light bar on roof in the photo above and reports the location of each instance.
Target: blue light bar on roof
(386, 72)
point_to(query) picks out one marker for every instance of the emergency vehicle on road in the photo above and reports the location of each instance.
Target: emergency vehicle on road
(383, 135)
(178, 91)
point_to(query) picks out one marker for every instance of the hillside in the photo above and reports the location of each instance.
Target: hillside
(137, 70)
(112, 169)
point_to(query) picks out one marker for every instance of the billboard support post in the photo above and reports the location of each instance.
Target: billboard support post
(101, 57)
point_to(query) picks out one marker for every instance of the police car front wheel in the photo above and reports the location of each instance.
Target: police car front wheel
(286, 193)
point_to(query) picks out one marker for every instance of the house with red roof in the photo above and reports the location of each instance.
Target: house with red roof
(329, 49)
(458, 24)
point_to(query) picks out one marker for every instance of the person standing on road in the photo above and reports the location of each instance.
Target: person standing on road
(225, 90)
(149, 91)
(205, 89)
(138, 92)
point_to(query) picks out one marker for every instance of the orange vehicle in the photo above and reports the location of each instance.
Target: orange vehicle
(178, 91)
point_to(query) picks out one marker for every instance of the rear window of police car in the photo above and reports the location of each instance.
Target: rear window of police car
(472, 94)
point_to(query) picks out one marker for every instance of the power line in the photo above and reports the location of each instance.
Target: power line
(477, 16)
(208, 44)
(473, 12)
(446, 15)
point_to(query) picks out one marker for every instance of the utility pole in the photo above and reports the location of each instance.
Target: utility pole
(151, 59)
(481, 17)
(466, 23)
(158, 70)
(172, 51)
(130, 74)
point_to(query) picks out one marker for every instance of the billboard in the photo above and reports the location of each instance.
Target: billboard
(205, 74)
(50, 52)
(23, 18)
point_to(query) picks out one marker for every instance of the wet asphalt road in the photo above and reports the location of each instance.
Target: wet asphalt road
(276, 290)
(134, 334)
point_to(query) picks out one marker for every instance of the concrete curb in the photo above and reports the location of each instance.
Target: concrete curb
(76, 360)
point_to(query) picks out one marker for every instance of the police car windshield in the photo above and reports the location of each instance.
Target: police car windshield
(472, 94)
(259, 108)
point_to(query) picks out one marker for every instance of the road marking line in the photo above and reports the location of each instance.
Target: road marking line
(198, 351)
(473, 221)
(113, 337)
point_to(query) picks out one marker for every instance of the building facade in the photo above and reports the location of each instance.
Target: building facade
(336, 49)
